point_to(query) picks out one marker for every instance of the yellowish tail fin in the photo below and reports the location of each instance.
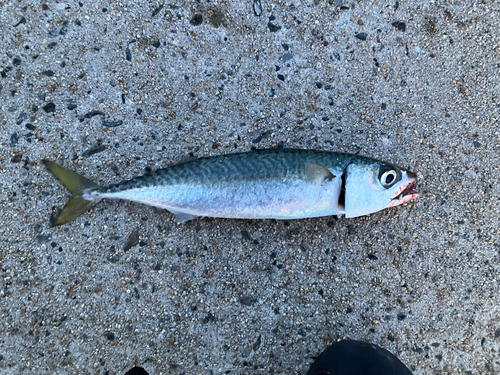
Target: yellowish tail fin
(76, 184)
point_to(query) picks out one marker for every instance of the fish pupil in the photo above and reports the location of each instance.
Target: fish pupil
(389, 178)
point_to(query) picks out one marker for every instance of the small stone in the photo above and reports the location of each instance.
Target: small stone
(48, 73)
(23, 116)
(14, 139)
(49, 107)
(93, 113)
(245, 235)
(109, 335)
(257, 140)
(128, 54)
(30, 126)
(272, 27)
(133, 239)
(287, 57)
(257, 7)
(319, 85)
(53, 33)
(361, 36)
(281, 77)
(400, 25)
(93, 150)
(16, 158)
(208, 318)
(16, 61)
(71, 106)
(112, 124)
(156, 43)
(247, 300)
(197, 20)
(257, 343)
(21, 21)
(157, 10)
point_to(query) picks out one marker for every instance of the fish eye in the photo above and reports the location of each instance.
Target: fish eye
(388, 176)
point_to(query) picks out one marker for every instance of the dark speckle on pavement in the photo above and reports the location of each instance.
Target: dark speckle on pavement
(196, 20)
(361, 36)
(272, 27)
(49, 107)
(400, 25)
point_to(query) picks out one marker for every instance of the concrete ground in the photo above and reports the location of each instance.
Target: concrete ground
(114, 89)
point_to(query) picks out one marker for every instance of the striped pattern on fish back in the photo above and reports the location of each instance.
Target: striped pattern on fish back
(260, 164)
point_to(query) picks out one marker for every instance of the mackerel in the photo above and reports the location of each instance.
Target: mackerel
(263, 184)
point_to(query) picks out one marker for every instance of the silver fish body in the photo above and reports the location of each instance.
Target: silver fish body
(266, 184)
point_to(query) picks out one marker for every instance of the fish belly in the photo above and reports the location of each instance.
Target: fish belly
(261, 199)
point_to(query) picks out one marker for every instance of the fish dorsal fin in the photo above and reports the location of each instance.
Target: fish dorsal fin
(187, 158)
(317, 173)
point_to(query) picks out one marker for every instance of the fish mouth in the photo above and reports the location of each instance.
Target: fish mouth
(409, 193)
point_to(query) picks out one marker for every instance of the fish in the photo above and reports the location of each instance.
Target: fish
(261, 184)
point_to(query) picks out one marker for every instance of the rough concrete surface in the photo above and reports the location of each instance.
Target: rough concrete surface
(114, 89)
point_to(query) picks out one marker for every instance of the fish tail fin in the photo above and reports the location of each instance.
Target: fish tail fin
(76, 184)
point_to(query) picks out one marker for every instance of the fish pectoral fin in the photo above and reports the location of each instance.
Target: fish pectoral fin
(317, 173)
(182, 217)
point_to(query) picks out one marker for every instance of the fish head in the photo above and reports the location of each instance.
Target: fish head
(372, 185)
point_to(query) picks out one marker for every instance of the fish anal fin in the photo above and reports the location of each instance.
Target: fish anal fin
(317, 173)
(181, 216)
